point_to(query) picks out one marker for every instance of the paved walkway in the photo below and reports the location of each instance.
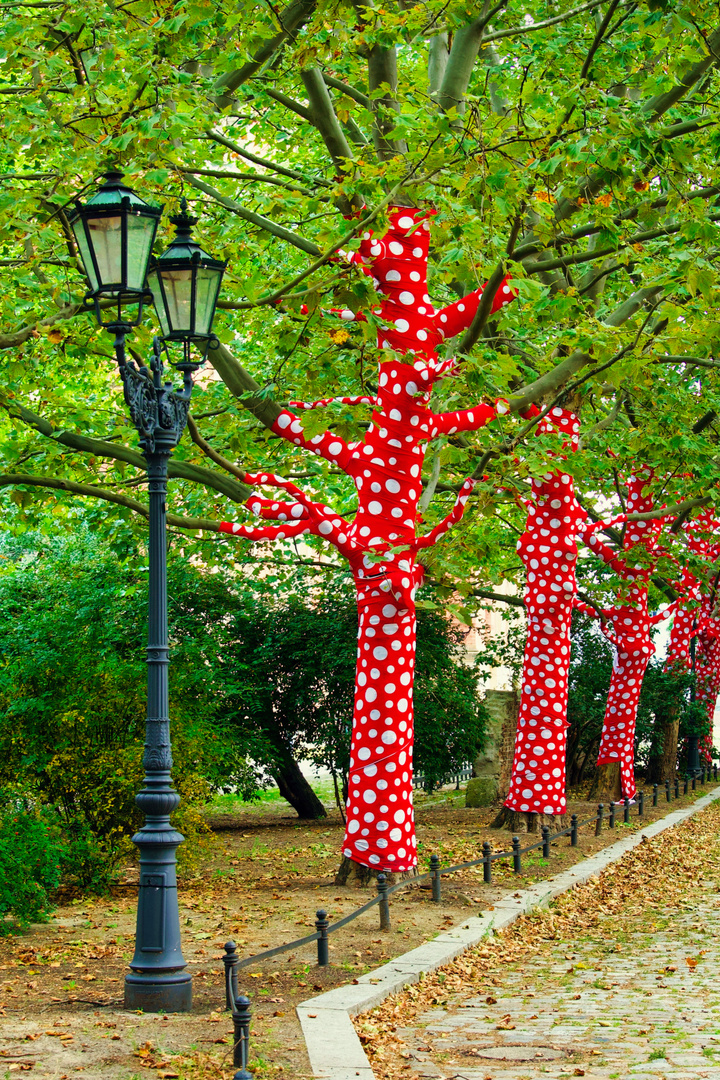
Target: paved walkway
(637, 997)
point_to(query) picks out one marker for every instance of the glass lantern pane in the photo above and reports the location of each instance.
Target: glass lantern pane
(106, 239)
(84, 249)
(208, 286)
(177, 288)
(156, 290)
(140, 235)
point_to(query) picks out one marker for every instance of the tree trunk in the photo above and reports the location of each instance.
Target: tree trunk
(380, 828)
(517, 822)
(667, 767)
(548, 548)
(296, 789)
(606, 783)
(634, 648)
(354, 873)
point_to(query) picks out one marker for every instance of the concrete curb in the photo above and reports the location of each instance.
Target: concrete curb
(333, 1046)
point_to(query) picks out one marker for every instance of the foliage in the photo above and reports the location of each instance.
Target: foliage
(30, 861)
(256, 673)
(290, 672)
(578, 153)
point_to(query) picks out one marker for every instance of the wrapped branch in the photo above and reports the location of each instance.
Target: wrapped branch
(451, 519)
(323, 402)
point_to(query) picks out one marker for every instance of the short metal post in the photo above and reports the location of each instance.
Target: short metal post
(517, 856)
(686, 783)
(435, 871)
(599, 820)
(693, 781)
(626, 809)
(323, 949)
(546, 841)
(702, 776)
(241, 1042)
(668, 796)
(655, 794)
(715, 771)
(231, 961)
(677, 787)
(487, 865)
(384, 905)
(641, 803)
(573, 830)
(612, 814)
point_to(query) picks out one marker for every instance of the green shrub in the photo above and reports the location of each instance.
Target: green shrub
(31, 854)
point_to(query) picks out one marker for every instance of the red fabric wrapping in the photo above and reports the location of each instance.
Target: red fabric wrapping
(627, 626)
(548, 549)
(386, 468)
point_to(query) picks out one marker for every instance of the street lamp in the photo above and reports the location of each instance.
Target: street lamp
(115, 231)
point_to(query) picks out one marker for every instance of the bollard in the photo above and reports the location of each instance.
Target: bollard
(241, 1046)
(599, 820)
(715, 771)
(517, 856)
(693, 781)
(686, 783)
(668, 796)
(626, 809)
(612, 814)
(702, 776)
(573, 830)
(435, 871)
(230, 960)
(384, 905)
(546, 841)
(677, 787)
(487, 865)
(655, 797)
(641, 803)
(321, 925)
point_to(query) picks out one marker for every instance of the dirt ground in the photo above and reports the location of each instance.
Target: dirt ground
(260, 883)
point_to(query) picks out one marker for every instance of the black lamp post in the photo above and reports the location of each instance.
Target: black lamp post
(115, 231)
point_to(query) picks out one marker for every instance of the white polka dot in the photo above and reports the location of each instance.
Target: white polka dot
(375, 508)
(369, 796)
(402, 325)
(406, 298)
(395, 247)
(405, 222)
(284, 420)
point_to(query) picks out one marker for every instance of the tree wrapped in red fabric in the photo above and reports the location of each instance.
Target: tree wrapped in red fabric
(548, 549)
(381, 543)
(627, 626)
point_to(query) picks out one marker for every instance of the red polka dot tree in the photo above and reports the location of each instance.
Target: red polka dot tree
(381, 542)
(548, 549)
(627, 625)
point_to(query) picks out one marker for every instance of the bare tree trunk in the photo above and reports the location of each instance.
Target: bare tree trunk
(516, 821)
(353, 873)
(606, 783)
(295, 788)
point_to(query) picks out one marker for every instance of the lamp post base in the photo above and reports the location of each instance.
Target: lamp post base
(159, 993)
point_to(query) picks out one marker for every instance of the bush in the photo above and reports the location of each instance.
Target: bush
(31, 853)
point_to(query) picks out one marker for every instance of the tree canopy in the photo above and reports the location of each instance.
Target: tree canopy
(575, 150)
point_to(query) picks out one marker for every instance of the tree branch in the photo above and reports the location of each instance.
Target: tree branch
(73, 488)
(291, 19)
(255, 219)
(177, 469)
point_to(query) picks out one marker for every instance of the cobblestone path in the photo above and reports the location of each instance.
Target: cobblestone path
(638, 995)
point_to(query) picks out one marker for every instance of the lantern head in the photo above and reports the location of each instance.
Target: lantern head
(185, 283)
(115, 231)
